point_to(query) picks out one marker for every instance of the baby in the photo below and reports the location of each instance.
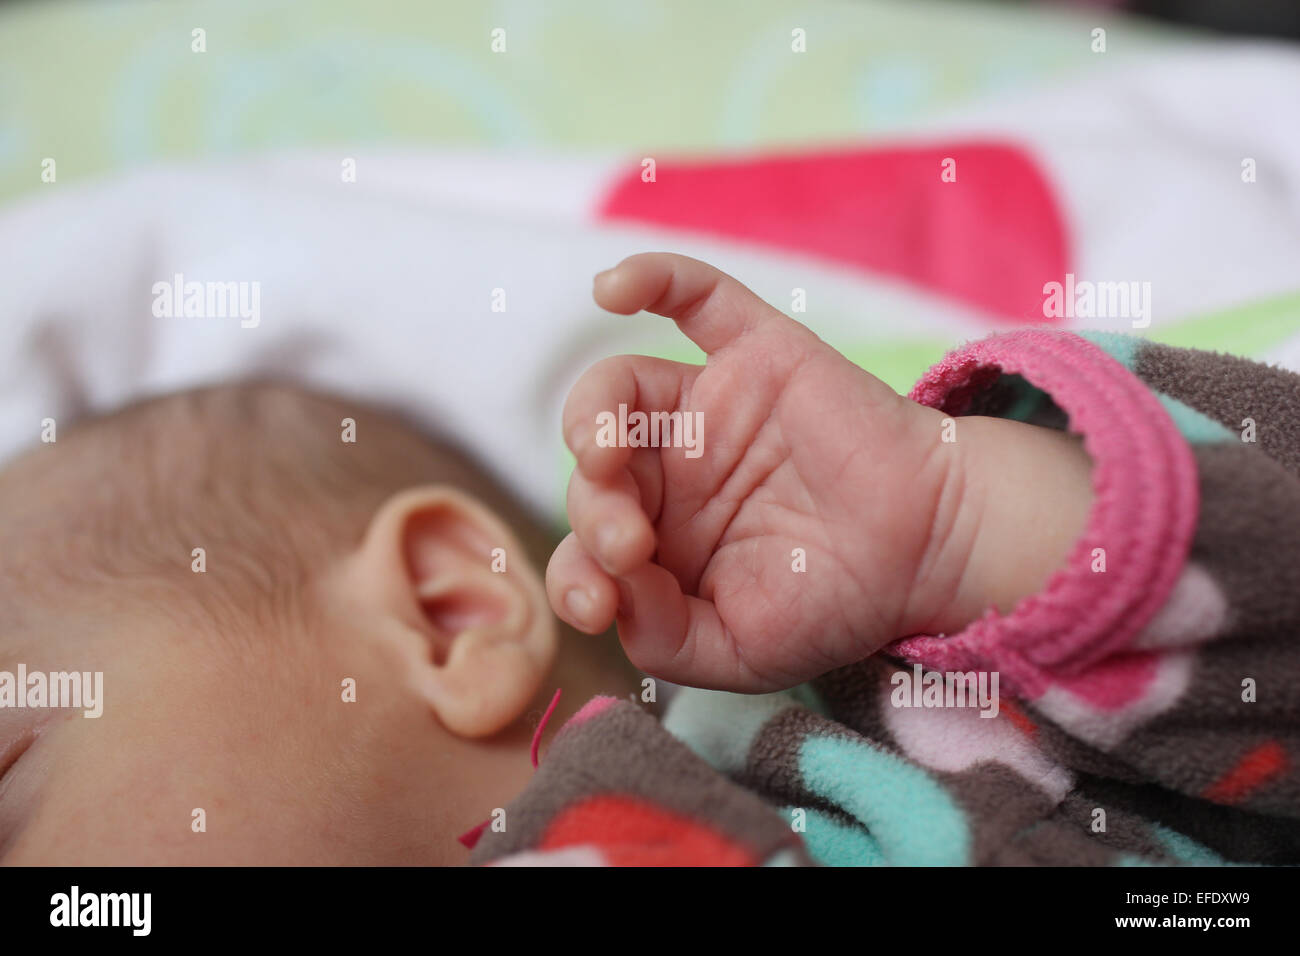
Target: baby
(324, 651)
(313, 650)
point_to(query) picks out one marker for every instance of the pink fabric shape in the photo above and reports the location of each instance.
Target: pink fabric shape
(592, 708)
(1115, 683)
(541, 726)
(990, 239)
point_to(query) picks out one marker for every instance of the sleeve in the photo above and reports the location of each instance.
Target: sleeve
(1165, 654)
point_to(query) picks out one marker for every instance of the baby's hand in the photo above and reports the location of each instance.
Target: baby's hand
(819, 515)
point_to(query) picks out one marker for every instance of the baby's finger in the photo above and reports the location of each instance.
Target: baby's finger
(679, 637)
(647, 470)
(712, 309)
(580, 593)
(636, 382)
(610, 522)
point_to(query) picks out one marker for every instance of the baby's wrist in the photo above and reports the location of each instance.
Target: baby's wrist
(1018, 498)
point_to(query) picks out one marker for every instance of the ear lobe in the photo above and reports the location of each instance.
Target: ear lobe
(476, 642)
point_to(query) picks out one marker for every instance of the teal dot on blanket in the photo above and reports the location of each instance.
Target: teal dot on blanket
(912, 817)
(1118, 345)
(1196, 428)
(1186, 850)
(833, 842)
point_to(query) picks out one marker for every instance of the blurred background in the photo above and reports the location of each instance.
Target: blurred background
(798, 145)
(109, 84)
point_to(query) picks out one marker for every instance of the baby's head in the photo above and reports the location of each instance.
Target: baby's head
(314, 649)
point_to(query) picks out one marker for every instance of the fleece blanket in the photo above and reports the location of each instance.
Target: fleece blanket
(1141, 709)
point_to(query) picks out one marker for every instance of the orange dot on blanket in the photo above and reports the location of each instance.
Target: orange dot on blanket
(1019, 719)
(1256, 768)
(631, 832)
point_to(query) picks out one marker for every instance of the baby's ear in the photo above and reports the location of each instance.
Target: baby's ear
(453, 588)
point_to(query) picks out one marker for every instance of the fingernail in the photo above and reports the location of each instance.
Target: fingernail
(579, 604)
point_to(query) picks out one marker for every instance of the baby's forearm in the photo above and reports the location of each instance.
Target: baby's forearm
(1017, 499)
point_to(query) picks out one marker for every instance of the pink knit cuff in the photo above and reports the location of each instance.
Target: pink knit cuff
(1144, 512)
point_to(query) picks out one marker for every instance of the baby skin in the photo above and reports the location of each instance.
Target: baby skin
(695, 558)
